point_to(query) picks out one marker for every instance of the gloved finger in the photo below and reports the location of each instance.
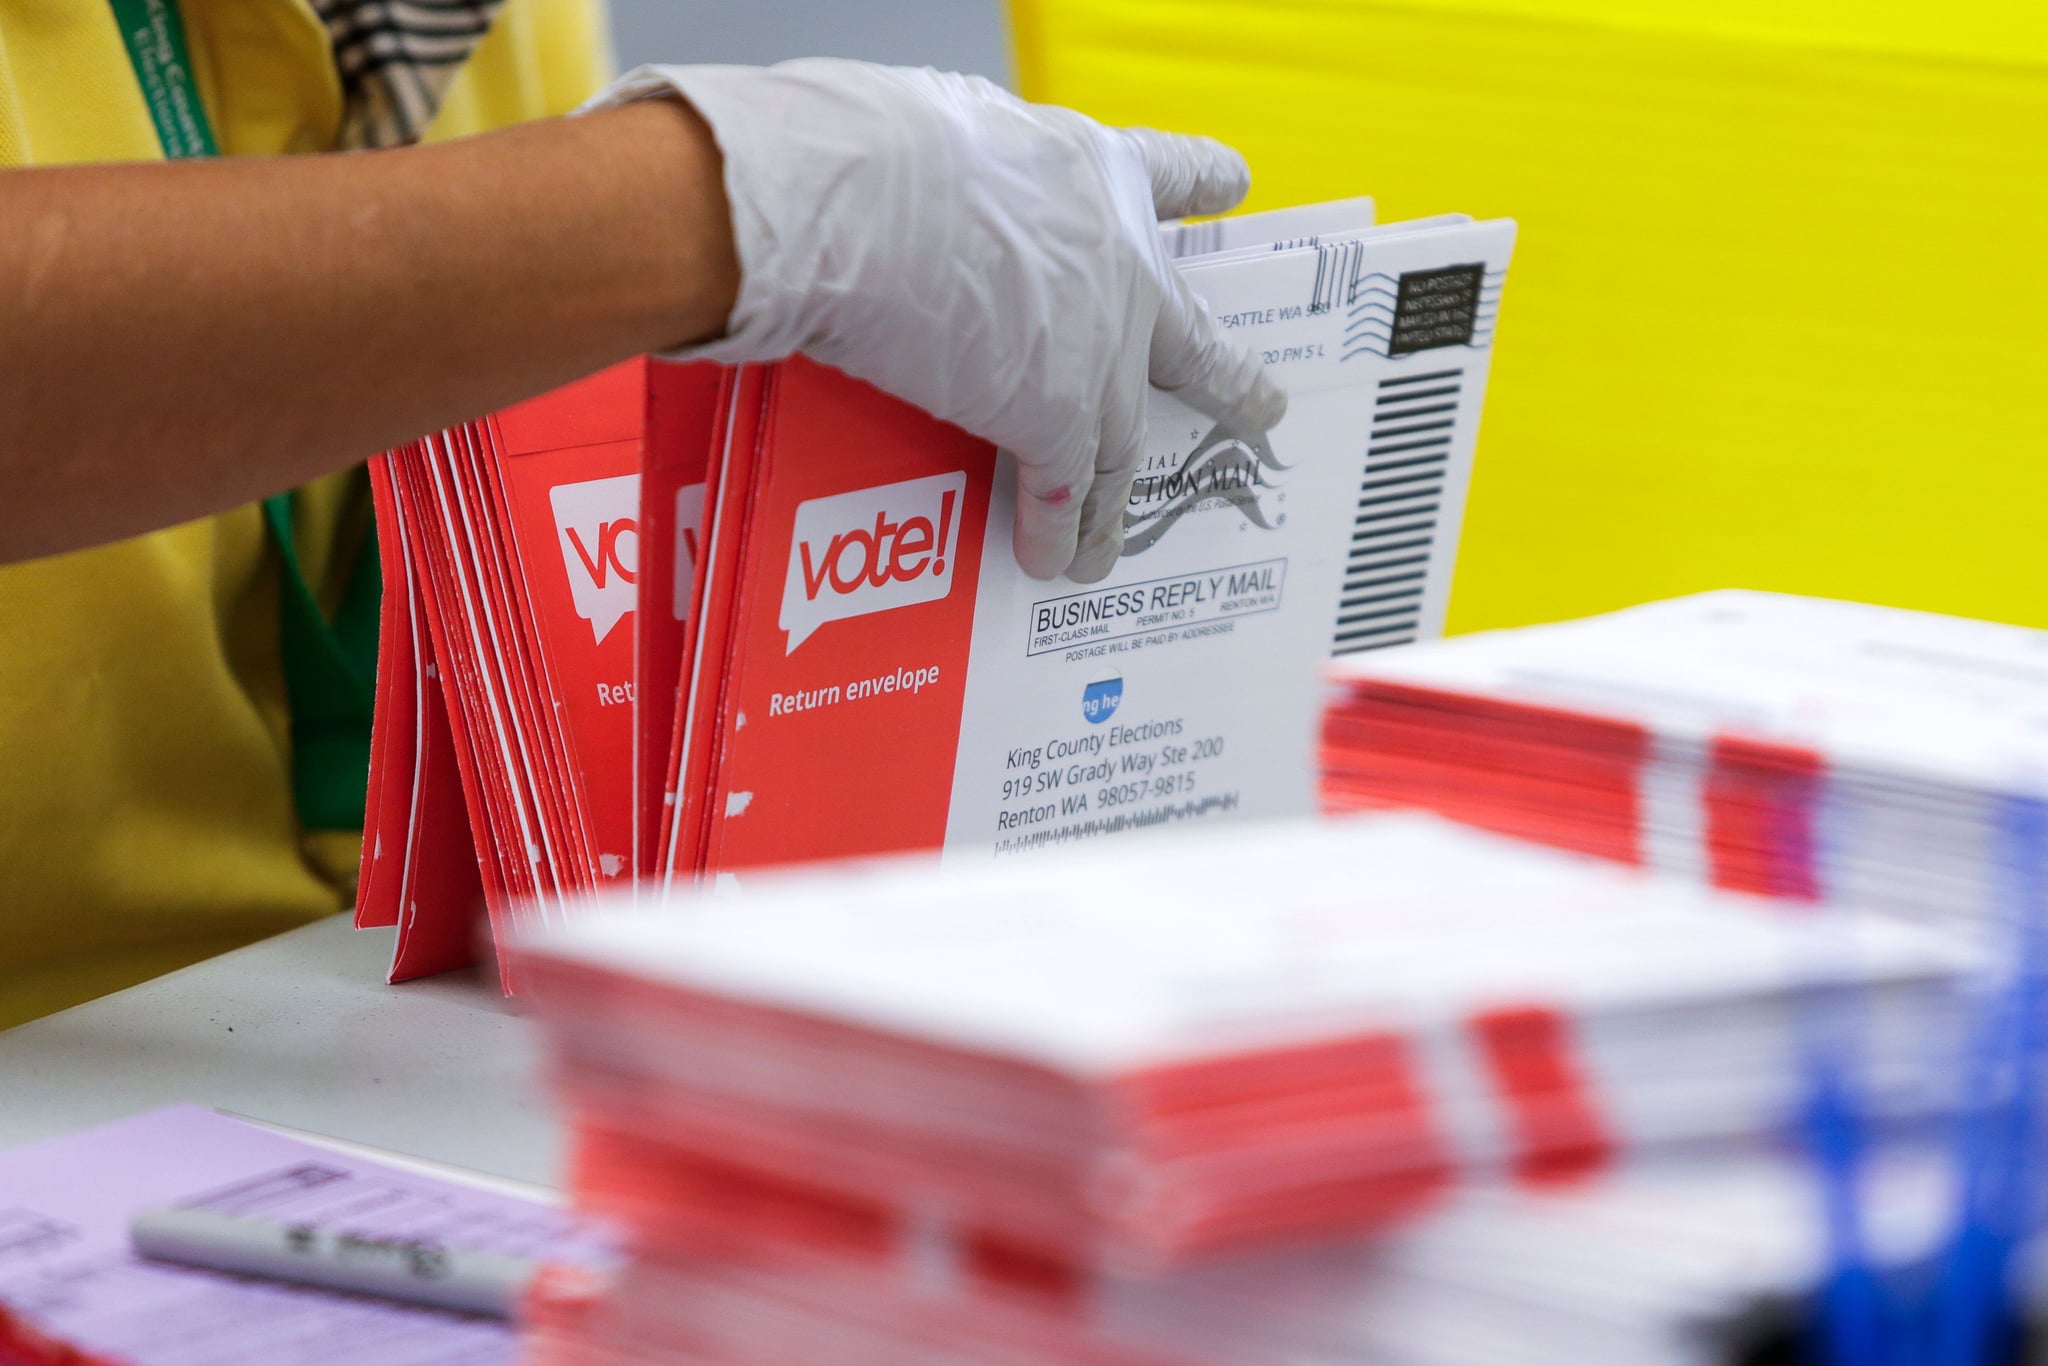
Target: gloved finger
(1195, 361)
(1049, 502)
(1101, 542)
(1101, 538)
(1190, 174)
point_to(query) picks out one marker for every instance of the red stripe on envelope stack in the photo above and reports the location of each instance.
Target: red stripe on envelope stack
(894, 1113)
(1794, 747)
(1542, 773)
(1672, 1262)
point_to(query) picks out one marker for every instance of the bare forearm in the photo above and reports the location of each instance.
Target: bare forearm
(179, 339)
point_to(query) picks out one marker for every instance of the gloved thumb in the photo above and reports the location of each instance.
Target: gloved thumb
(1190, 174)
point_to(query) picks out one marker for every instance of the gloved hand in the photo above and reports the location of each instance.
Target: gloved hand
(995, 262)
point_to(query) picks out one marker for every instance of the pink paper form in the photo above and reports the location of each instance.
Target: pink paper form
(66, 1268)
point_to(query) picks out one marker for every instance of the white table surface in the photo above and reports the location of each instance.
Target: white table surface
(302, 1031)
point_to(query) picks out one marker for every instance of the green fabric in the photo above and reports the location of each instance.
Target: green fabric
(329, 667)
(329, 674)
(154, 31)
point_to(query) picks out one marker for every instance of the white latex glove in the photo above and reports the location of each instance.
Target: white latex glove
(995, 262)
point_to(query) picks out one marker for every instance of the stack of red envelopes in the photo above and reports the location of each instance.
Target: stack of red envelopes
(1798, 747)
(566, 557)
(504, 708)
(923, 1111)
(1692, 1261)
(678, 622)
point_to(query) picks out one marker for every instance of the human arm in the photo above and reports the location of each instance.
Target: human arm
(194, 336)
(181, 338)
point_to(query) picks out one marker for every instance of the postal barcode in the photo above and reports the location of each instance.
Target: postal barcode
(1399, 501)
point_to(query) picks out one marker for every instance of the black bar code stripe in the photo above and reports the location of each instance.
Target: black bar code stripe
(1379, 542)
(1398, 616)
(1403, 484)
(1388, 632)
(1415, 395)
(1369, 565)
(1384, 496)
(1374, 575)
(1413, 428)
(1413, 462)
(1419, 379)
(1400, 499)
(1422, 521)
(1401, 595)
(1373, 519)
(1395, 448)
(1346, 646)
(1403, 414)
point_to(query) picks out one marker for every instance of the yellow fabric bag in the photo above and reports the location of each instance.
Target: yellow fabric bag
(1777, 312)
(145, 771)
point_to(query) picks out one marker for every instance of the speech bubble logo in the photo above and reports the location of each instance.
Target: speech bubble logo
(689, 528)
(1100, 699)
(872, 550)
(597, 522)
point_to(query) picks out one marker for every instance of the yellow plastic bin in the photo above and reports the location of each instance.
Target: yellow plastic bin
(1777, 311)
